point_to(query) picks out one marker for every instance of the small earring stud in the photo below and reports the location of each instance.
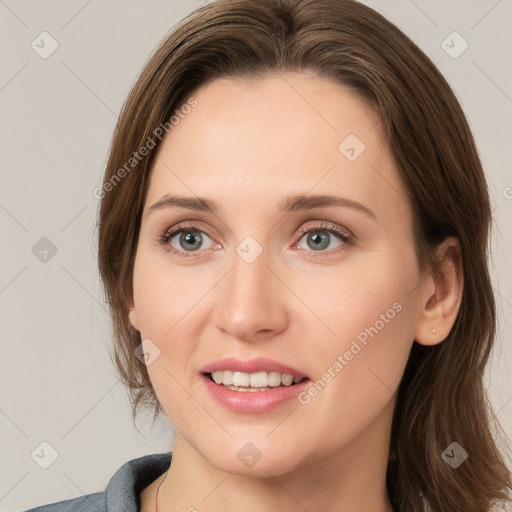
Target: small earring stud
(433, 331)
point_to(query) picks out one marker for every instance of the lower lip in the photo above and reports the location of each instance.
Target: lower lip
(252, 401)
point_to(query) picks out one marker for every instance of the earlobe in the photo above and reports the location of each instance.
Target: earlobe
(132, 314)
(134, 319)
(442, 305)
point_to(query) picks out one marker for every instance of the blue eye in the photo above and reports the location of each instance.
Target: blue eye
(320, 235)
(189, 239)
(319, 239)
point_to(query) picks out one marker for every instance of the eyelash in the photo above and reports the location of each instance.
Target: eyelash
(342, 234)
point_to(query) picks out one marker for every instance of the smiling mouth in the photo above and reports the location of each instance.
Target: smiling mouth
(260, 381)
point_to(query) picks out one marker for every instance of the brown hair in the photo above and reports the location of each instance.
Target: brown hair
(441, 397)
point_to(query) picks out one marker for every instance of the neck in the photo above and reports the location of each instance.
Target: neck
(352, 478)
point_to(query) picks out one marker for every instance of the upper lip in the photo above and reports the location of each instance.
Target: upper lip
(260, 364)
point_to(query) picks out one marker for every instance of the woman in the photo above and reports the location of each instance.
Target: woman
(293, 242)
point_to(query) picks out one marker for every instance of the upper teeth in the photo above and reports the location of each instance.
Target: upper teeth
(254, 380)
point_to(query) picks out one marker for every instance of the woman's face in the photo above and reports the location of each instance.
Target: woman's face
(325, 290)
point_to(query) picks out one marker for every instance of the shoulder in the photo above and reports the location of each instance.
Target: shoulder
(123, 490)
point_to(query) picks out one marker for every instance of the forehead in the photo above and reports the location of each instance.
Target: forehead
(273, 137)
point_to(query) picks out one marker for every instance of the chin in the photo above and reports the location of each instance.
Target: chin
(260, 458)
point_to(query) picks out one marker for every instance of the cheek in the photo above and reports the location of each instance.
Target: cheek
(365, 296)
(163, 298)
(357, 380)
(164, 302)
(370, 311)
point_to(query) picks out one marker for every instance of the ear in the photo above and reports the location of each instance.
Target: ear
(442, 295)
(132, 314)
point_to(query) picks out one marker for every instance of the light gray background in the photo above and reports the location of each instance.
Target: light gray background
(58, 114)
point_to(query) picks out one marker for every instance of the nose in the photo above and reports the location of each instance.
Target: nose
(250, 302)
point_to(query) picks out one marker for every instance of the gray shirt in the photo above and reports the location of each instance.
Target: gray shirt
(123, 490)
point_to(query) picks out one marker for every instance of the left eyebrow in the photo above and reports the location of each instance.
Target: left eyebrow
(305, 202)
(293, 203)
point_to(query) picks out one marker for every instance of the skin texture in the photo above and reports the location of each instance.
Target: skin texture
(248, 146)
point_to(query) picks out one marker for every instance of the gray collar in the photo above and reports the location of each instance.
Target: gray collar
(123, 490)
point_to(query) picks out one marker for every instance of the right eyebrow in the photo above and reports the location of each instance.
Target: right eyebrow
(190, 203)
